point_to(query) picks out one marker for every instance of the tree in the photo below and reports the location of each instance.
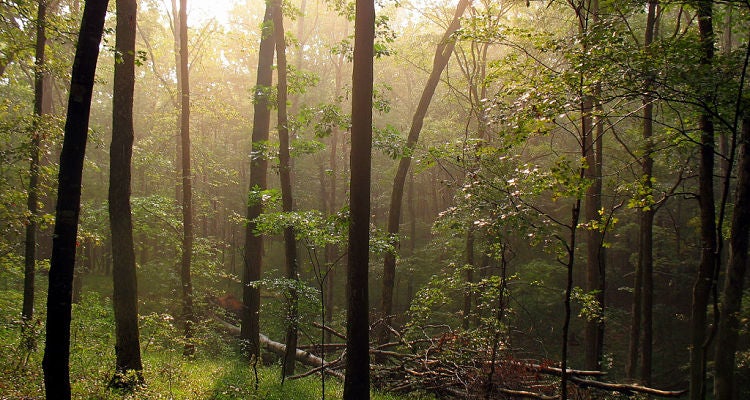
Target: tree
(59, 296)
(125, 286)
(187, 190)
(440, 61)
(253, 262)
(285, 166)
(357, 381)
(727, 333)
(592, 128)
(706, 270)
(41, 108)
(642, 310)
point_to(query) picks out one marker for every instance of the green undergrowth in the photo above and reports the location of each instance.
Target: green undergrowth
(217, 371)
(175, 378)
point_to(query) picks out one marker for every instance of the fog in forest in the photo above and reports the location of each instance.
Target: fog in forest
(551, 200)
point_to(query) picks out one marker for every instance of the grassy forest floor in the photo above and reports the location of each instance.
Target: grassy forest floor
(217, 371)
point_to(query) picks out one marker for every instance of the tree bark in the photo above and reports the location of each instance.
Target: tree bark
(177, 137)
(187, 191)
(706, 271)
(731, 304)
(57, 346)
(125, 287)
(357, 381)
(287, 200)
(646, 256)
(27, 311)
(440, 61)
(570, 246)
(253, 262)
(592, 129)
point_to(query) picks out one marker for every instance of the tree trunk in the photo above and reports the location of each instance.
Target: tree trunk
(177, 137)
(253, 261)
(592, 127)
(357, 381)
(646, 256)
(57, 346)
(570, 263)
(290, 242)
(27, 311)
(440, 61)
(469, 277)
(728, 330)
(125, 287)
(333, 204)
(187, 191)
(706, 271)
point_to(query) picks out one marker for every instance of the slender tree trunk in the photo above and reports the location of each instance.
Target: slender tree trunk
(570, 263)
(187, 191)
(499, 315)
(706, 271)
(27, 312)
(469, 277)
(290, 242)
(635, 319)
(125, 287)
(645, 256)
(440, 61)
(333, 204)
(57, 346)
(331, 249)
(726, 50)
(728, 330)
(410, 200)
(357, 381)
(592, 126)
(253, 261)
(177, 136)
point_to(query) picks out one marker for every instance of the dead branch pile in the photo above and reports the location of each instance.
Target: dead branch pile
(452, 364)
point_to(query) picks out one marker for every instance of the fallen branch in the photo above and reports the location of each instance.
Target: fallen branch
(525, 394)
(549, 370)
(625, 388)
(329, 330)
(315, 370)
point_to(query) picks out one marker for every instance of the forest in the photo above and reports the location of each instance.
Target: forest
(396, 200)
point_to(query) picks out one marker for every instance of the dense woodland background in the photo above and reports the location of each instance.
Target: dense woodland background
(554, 183)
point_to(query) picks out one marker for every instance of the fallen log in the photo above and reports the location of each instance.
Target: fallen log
(280, 349)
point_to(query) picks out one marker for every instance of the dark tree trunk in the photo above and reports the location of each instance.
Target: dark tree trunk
(285, 166)
(357, 381)
(592, 128)
(27, 312)
(570, 247)
(125, 287)
(57, 346)
(253, 261)
(440, 61)
(177, 137)
(706, 271)
(728, 330)
(469, 277)
(646, 257)
(187, 191)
